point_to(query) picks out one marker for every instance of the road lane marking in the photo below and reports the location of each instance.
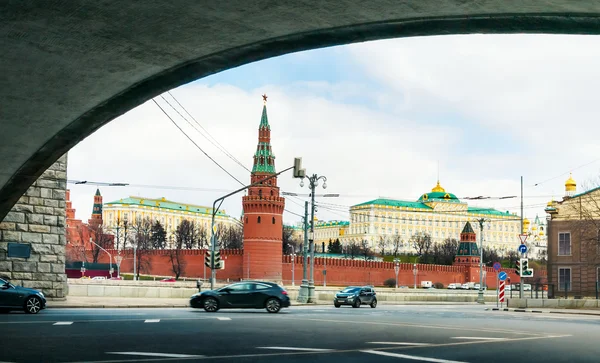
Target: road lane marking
(399, 343)
(162, 355)
(63, 323)
(279, 354)
(299, 349)
(411, 357)
(152, 321)
(478, 338)
(224, 318)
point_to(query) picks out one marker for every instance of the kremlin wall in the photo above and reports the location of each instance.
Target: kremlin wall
(262, 258)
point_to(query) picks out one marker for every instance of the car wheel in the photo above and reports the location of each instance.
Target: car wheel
(33, 305)
(356, 303)
(273, 305)
(374, 304)
(337, 305)
(210, 304)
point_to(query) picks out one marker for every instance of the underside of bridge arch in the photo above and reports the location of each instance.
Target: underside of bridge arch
(69, 67)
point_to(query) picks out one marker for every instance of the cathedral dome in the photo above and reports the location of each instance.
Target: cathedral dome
(570, 184)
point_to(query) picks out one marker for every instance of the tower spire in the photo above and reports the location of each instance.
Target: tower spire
(264, 160)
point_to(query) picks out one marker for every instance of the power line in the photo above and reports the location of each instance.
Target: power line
(215, 142)
(193, 142)
(563, 174)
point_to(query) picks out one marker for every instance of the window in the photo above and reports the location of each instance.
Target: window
(564, 244)
(261, 287)
(246, 220)
(273, 220)
(258, 219)
(564, 278)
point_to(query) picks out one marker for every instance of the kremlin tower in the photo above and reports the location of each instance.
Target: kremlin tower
(263, 212)
(96, 219)
(468, 252)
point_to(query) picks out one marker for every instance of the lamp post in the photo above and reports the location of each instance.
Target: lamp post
(480, 298)
(109, 256)
(293, 255)
(396, 269)
(303, 293)
(415, 271)
(313, 184)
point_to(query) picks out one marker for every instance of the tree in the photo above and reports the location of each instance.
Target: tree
(183, 236)
(122, 230)
(365, 250)
(490, 256)
(290, 243)
(335, 247)
(444, 253)
(142, 229)
(382, 244)
(352, 250)
(396, 244)
(233, 237)
(422, 244)
(202, 237)
(159, 236)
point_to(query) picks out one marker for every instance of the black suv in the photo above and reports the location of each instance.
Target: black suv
(356, 296)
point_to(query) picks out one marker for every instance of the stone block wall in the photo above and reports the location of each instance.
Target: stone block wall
(38, 219)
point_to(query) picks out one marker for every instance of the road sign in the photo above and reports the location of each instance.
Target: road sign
(523, 238)
(502, 276)
(497, 266)
(119, 259)
(523, 248)
(215, 228)
(501, 292)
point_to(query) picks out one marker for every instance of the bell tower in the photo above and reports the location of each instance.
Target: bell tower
(263, 212)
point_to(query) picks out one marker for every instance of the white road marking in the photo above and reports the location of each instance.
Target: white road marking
(224, 318)
(164, 355)
(299, 349)
(152, 321)
(398, 343)
(412, 357)
(478, 338)
(63, 323)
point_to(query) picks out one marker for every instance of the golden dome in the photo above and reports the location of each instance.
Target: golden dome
(526, 221)
(438, 188)
(550, 203)
(570, 184)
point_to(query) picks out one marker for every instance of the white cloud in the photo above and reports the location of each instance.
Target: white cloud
(466, 102)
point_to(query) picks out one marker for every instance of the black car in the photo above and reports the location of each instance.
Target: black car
(247, 294)
(20, 298)
(356, 296)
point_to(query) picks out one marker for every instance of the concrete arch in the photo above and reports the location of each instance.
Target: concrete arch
(69, 67)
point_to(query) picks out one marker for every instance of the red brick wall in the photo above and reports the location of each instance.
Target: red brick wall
(339, 272)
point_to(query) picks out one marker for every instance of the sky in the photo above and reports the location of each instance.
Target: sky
(377, 119)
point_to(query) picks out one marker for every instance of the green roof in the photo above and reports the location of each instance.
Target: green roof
(264, 120)
(264, 160)
(439, 196)
(468, 249)
(332, 223)
(165, 204)
(394, 203)
(468, 228)
(423, 205)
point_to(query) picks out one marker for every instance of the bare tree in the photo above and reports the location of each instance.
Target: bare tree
(365, 250)
(142, 229)
(289, 241)
(352, 250)
(202, 237)
(382, 243)
(444, 253)
(396, 244)
(122, 230)
(182, 236)
(422, 244)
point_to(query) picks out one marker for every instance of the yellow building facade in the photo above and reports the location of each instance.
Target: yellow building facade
(324, 232)
(437, 213)
(170, 214)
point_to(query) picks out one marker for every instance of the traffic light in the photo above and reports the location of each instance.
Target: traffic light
(518, 270)
(298, 171)
(218, 263)
(525, 270)
(207, 259)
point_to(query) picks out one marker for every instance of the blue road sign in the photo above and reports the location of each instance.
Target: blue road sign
(502, 276)
(523, 248)
(497, 266)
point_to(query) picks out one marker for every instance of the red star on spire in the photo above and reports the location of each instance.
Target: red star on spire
(264, 96)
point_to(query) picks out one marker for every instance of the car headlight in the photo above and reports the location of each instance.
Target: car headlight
(41, 293)
(350, 297)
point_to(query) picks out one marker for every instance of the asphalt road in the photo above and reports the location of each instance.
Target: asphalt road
(440, 334)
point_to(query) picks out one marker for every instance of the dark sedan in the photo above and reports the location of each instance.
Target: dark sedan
(247, 294)
(20, 298)
(356, 296)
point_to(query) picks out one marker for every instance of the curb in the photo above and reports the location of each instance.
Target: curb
(76, 306)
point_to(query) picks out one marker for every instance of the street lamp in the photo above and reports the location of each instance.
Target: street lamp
(313, 184)
(480, 297)
(396, 269)
(293, 265)
(109, 256)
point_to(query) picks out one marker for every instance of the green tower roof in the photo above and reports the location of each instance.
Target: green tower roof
(468, 228)
(98, 193)
(264, 160)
